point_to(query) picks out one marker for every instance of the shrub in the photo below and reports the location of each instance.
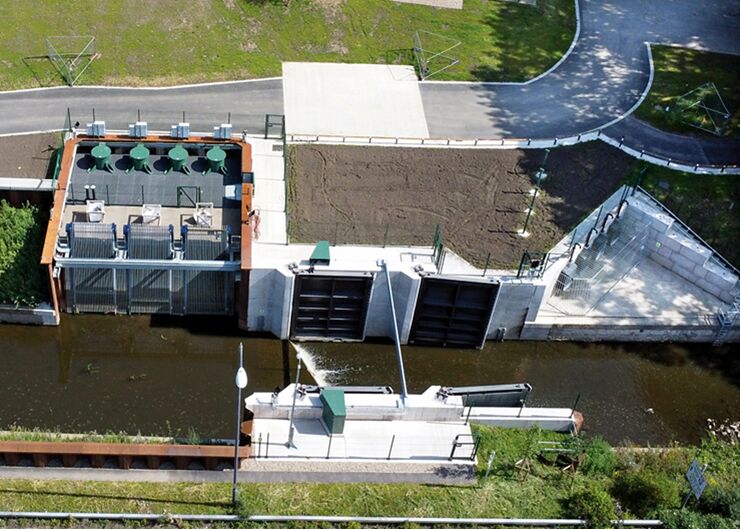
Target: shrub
(594, 505)
(642, 491)
(600, 458)
(721, 501)
(693, 520)
(21, 239)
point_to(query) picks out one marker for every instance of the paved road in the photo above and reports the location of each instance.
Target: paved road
(702, 150)
(205, 106)
(601, 80)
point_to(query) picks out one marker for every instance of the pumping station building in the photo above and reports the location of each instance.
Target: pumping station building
(187, 224)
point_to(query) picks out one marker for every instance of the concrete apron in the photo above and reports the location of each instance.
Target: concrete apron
(258, 471)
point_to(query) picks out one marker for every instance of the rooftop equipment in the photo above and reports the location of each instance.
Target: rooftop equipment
(139, 159)
(320, 255)
(96, 128)
(216, 157)
(181, 130)
(178, 157)
(101, 158)
(223, 131)
(138, 129)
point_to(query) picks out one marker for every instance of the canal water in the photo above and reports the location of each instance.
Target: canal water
(175, 376)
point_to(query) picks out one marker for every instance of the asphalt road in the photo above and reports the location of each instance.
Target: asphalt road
(598, 82)
(205, 106)
(602, 78)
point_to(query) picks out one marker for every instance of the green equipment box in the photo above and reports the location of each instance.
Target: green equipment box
(335, 412)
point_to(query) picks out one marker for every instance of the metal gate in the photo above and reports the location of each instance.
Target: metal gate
(330, 307)
(453, 313)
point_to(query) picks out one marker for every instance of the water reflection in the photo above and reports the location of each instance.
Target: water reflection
(164, 376)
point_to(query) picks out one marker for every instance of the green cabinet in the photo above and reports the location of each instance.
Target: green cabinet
(335, 411)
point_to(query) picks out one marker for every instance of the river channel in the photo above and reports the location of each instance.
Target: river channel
(175, 376)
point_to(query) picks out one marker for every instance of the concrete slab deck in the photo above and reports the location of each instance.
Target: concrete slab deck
(353, 100)
(367, 440)
(648, 291)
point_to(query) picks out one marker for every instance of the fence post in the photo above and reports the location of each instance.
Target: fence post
(331, 436)
(488, 260)
(575, 403)
(467, 417)
(393, 440)
(267, 446)
(489, 464)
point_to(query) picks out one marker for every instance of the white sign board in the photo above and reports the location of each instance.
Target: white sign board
(695, 476)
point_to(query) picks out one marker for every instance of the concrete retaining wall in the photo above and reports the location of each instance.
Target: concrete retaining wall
(270, 301)
(627, 333)
(682, 254)
(42, 315)
(512, 306)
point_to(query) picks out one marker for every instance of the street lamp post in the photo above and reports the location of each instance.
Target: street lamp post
(292, 407)
(241, 383)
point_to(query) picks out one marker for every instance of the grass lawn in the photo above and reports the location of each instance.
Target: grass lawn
(679, 70)
(708, 204)
(169, 41)
(646, 482)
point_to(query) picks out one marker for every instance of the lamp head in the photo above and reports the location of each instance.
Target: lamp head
(241, 378)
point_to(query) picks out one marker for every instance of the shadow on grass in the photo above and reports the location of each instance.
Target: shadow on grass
(115, 497)
(42, 70)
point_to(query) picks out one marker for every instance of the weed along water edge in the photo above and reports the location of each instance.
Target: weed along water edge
(157, 376)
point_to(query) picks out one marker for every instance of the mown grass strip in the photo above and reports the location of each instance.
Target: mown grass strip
(544, 493)
(168, 42)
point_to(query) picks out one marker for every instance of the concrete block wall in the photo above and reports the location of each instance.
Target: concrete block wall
(681, 254)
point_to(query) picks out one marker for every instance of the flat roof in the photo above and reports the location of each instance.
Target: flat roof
(125, 186)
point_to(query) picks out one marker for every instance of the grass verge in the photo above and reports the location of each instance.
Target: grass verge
(679, 70)
(168, 42)
(544, 493)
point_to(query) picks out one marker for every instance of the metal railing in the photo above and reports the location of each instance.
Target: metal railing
(518, 143)
(260, 125)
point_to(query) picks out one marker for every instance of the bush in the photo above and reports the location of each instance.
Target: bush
(642, 492)
(693, 520)
(21, 239)
(600, 458)
(721, 501)
(594, 505)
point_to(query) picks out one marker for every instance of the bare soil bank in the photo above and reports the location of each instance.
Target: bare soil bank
(27, 156)
(372, 195)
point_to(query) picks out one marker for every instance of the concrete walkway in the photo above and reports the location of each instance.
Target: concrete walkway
(269, 471)
(598, 82)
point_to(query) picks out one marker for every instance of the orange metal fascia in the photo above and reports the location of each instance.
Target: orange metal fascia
(60, 191)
